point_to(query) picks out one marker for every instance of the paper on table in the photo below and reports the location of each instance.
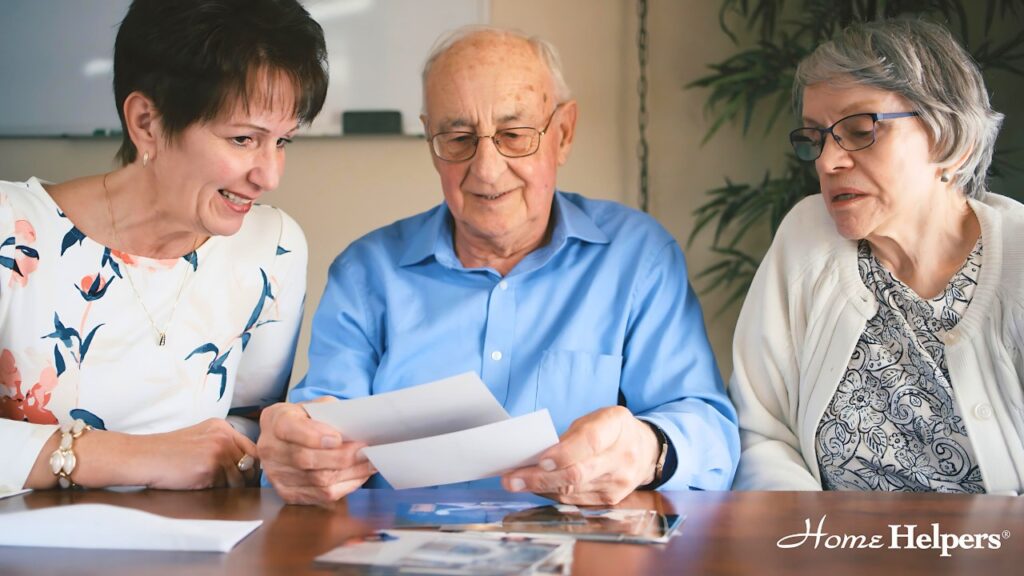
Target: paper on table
(117, 528)
(7, 491)
(439, 407)
(466, 455)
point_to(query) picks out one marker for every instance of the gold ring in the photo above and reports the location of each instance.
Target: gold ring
(246, 463)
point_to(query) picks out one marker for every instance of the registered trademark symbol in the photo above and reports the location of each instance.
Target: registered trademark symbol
(1006, 534)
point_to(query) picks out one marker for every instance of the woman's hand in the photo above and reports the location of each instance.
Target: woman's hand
(205, 455)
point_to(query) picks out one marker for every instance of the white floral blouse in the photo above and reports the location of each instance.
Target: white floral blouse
(893, 424)
(76, 341)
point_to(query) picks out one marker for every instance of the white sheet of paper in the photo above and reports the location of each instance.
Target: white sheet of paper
(107, 527)
(7, 491)
(472, 454)
(440, 407)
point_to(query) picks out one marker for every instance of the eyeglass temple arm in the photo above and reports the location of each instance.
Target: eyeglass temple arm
(891, 115)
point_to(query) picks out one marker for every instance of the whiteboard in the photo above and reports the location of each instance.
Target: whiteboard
(56, 60)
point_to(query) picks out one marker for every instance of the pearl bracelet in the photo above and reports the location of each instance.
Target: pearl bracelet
(63, 460)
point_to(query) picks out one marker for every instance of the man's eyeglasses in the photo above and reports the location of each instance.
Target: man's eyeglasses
(510, 142)
(852, 133)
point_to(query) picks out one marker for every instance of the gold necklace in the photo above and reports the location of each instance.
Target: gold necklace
(160, 332)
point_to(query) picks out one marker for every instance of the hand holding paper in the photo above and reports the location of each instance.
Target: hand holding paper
(601, 459)
(451, 430)
(306, 460)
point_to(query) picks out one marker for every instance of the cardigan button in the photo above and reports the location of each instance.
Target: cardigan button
(983, 411)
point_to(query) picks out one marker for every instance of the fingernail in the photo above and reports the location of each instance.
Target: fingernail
(330, 442)
(516, 485)
(547, 464)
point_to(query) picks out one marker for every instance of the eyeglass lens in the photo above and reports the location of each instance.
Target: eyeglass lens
(512, 142)
(852, 133)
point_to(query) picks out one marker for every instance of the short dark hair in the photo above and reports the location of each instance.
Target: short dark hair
(197, 59)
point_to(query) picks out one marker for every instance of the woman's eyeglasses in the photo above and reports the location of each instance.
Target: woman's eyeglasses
(855, 132)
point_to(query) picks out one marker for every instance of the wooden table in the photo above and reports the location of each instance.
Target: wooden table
(724, 533)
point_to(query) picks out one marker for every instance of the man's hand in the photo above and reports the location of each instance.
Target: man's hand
(600, 459)
(306, 460)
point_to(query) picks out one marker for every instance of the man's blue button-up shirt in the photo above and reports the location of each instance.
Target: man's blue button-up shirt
(601, 315)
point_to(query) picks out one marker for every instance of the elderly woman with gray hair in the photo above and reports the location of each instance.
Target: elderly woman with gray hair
(879, 345)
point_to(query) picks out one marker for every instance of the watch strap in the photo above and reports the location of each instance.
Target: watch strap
(659, 465)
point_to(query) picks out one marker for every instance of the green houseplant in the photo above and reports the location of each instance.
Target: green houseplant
(755, 86)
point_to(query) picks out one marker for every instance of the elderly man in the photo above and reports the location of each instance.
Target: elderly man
(559, 302)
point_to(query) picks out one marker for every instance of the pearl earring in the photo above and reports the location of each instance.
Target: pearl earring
(944, 177)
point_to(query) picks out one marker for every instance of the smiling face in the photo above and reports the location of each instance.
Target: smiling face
(885, 188)
(482, 84)
(211, 173)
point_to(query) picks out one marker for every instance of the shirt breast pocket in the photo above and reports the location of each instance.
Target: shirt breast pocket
(571, 384)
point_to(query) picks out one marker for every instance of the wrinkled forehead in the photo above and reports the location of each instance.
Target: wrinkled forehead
(830, 100)
(488, 71)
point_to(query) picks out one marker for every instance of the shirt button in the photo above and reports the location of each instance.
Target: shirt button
(503, 285)
(496, 355)
(983, 411)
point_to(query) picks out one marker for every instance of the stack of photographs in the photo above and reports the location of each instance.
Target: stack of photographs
(421, 553)
(494, 538)
(604, 524)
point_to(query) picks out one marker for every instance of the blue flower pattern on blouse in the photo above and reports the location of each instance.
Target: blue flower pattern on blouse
(52, 279)
(69, 336)
(27, 251)
(893, 424)
(216, 367)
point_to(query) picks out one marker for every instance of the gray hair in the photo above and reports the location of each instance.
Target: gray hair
(543, 48)
(922, 62)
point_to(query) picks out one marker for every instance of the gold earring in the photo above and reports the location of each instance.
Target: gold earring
(145, 159)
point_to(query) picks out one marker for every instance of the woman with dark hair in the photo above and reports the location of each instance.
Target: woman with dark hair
(879, 347)
(149, 313)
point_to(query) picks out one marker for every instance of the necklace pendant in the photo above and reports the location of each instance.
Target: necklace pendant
(163, 339)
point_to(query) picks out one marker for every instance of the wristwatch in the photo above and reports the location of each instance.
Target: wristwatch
(659, 465)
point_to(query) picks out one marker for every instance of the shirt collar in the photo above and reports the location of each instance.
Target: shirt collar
(435, 236)
(573, 222)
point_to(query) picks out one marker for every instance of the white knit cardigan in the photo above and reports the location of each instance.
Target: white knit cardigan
(804, 314)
